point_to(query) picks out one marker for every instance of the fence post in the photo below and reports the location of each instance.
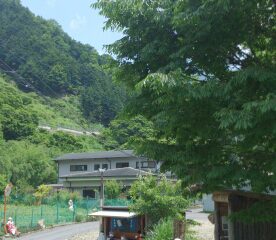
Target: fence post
(86, 207)
(74, 209)
(57, 212)
(32, 217)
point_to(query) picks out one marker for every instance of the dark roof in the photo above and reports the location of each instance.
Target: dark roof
(97, 155)
(246, 193)
(117, 172)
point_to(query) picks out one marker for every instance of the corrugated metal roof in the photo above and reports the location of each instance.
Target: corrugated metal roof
(97, 155)
(117, 172)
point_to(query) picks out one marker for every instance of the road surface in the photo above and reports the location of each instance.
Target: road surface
(205, 229)
(62, 232)
(197, 214)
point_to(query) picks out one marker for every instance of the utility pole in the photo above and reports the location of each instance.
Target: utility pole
(101, 170)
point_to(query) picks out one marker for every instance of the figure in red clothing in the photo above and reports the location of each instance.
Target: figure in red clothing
(11, 228)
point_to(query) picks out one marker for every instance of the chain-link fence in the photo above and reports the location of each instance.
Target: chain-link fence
(27, 212)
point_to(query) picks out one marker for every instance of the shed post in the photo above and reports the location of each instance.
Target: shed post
(217, 219)
(230, 222)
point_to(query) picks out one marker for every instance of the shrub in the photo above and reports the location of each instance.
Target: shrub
(112, 189)
(79, 218)
(42, 192)
(63, 197)
(164, 231)
(157, 198)
(161, 231)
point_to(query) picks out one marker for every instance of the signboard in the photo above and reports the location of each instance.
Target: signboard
(124, 224)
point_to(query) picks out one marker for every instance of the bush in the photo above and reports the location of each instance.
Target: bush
(164, 231)
(91, 218)
(161, 231)
(157, 198)
(112, 189)
(42, 192)
(63, 197)
(79, 218)
(28, 199)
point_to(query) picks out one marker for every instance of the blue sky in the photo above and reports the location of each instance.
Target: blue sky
(77, 18)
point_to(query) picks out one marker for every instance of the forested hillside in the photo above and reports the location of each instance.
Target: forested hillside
(47, 78)
(26, 152)
(41, 57)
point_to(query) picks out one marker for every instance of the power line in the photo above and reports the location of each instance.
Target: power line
(37, 77)
(25, 82)
(19, 77)
(42, 82)
(29, 82)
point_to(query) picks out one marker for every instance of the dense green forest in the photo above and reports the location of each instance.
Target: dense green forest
(41, 57)
(47, 78)
(27, 152)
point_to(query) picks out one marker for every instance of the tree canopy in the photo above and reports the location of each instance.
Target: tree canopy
(204, 73)
(157, 198)
(124, 132)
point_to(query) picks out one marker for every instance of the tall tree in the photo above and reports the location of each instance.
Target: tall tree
(204, 73)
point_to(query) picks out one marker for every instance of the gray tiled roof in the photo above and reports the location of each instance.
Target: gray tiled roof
(117, 172)
(97, 155)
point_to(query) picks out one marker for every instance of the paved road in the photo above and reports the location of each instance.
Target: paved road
(204, 231)
(62, 232)
(197, 214)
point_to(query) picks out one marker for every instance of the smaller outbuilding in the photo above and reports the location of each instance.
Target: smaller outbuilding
(120, 222)
(228, 202)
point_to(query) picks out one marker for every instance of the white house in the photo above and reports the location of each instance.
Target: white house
(79, 171)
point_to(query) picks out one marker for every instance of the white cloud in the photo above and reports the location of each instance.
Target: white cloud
(77, 22)
(51, 3)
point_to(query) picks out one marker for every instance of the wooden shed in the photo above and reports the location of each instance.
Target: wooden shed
(227, 202)
(120, 222)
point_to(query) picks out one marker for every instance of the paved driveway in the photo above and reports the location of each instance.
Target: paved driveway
(62, 232)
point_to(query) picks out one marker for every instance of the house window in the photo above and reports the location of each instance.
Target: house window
(105, 166)
(90, 193)
(96, 167)
(146, 164)
(76, 168)
(122, 164)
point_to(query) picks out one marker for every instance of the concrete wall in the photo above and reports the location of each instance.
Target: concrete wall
(208, 203)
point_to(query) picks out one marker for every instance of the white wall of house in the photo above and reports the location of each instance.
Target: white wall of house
(112, 163)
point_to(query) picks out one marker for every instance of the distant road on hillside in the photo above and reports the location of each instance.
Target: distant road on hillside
(67, 130)
(62, 232)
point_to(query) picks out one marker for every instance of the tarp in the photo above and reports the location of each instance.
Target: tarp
(118, 214)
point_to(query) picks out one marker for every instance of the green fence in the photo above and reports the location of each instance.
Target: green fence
(26, 211)
(117, 202)
(26, 216)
